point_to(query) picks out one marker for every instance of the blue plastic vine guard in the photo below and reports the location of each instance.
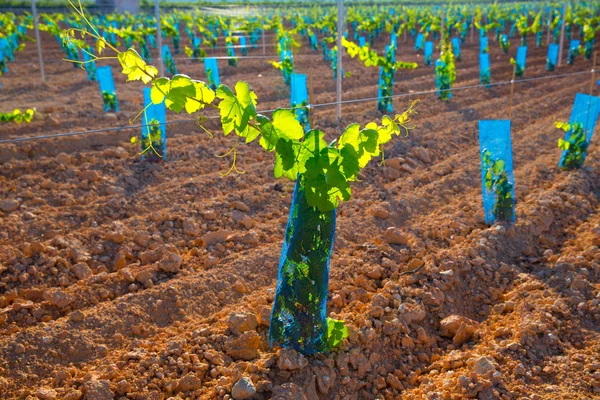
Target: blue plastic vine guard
(497, 169)
(552, 56)
(484, 69)
(107, 84)
(168, 60)
(419, 42)
(573, 51)
(393, 41)
(521, 57)
(196, 42)
(5, 47)
(483, 45)
(456, 48)
(154, 112)
(362, 41)
(243, 45)
(299, 315)
(299, 96)
(212, 72)
(585, 111)
(90, 66)
(428, 52)
(3, 60)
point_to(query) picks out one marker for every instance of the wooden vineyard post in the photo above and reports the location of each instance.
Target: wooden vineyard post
(512, 91)
(562, 38)
(593, 73)
(310, 97)
(263, 38)
(340, 50)
(37, 39)
(161, 64)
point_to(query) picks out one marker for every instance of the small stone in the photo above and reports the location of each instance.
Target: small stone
(82, 271)
(58, 298)
(190, 228)
(375, 273)
(239, 287)
(89, 175)
(98, 390)
(244, 347)
(288, 391)
(240, 206)
(459, 328)
(414, 264)
(394, 236)
(142, 240)
(37, 247)
(144, 275)
(188, 383)
(243, 389)
(9, 205)
(381, 213)
(73, 395)
(212, 238)
(483, 365)
(77, 316)
(290, 360)
(210, 261)
(171, 263)
(264, 315)
(45, 393)
(242, 322)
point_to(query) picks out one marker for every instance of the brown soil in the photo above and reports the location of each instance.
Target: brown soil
(90, 305)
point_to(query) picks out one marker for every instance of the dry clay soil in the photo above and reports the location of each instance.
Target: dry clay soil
(124, 279)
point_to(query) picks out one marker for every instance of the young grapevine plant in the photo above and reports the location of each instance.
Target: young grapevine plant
(576, 145)
(388, 65)
(325, 169)
(445, 72)
(18, 116)
(496, 180)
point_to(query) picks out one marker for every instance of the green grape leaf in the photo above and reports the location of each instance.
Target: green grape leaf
(349, 165)
(269, 137)
(135, 67)
(336, 332)
(287, 125)
(311, 146)
(180, 89)
(324, 182)
(365, 142)
(236, 109)
(286, 152)
(203, 95)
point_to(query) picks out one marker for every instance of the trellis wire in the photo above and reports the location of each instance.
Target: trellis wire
(309, 106)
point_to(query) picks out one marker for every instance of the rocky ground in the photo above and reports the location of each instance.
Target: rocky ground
(121, 279)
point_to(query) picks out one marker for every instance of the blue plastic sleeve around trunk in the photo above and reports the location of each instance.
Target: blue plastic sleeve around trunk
(419, 42)
(154, 112)
(456, 48)
(362, 41)
(211, 67)
(483, 45)
(90, 66)
(105, 79)
(168, 60)
(299, 96)
(428, 52)
(299, 315)
(499, 199)
(552, 57)
(521, 56)
(585, 111)
(484, 69)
